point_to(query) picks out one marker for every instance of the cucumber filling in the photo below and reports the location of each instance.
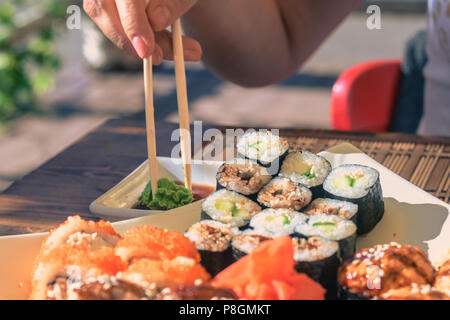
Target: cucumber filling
(258, 145)
(325, 226)
(229, 207)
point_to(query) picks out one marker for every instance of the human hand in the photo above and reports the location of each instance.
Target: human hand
(142, 31)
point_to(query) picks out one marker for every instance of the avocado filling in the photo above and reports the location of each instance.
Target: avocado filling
(346, 181)
(229, 207)
(284, 220)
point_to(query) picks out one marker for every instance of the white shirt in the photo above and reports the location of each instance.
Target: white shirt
(436, 117)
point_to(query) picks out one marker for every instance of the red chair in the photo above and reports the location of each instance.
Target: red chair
(363, 97)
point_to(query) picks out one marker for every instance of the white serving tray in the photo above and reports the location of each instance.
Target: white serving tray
(412, 216)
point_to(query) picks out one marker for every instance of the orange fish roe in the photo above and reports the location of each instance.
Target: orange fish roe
(155, 243)
(178, 271)
(100, 261)
(77, 262)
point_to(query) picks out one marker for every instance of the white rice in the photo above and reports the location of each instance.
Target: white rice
(245, 242)
(319, 167)
(277, 222)
(268, 146)
(200, 236)
(367, 178)
(313, 249)
(343, 228)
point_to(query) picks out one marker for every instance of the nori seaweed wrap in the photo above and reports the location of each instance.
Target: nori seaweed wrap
(319, 259)
(213, 241)
(267, 149)
(332, 228)
(306, 168)
(360, 185)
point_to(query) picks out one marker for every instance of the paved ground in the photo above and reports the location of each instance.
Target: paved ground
(82, 99)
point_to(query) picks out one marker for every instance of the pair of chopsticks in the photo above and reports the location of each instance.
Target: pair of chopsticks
(183, 111)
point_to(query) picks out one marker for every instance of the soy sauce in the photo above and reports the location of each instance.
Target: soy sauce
(201, 191)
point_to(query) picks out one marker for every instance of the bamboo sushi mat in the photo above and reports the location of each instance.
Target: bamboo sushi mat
(425, 165)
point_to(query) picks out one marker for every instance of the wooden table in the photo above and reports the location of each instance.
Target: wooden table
(68, 183)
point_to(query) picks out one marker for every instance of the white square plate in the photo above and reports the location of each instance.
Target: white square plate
(412, 216)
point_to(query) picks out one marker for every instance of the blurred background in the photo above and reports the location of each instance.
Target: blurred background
(58, 84)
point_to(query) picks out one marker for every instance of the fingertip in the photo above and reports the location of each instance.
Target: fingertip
(141, 47)
(192, 51)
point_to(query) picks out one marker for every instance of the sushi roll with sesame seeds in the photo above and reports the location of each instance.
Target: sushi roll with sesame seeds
(245, 242)
(360, 185)
(342, 209)
(213, 241)
(282, 193)
(306, 168)
(331, 228)
(442, 280)
(229, 207)
(375, 271)
(266, 148)
(243, 176)
(414, 292)
(318, 258)
(277, 222)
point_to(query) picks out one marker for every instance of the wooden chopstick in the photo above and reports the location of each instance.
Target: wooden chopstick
(150, 124)
(183, 109)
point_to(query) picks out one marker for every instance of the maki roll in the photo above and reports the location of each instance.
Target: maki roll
(306, 168)
(332, 228)
(374, 271)
(360, 185)
(243, 176)
(229, 207)
(318, 258)
(284, 193)
(342, 209)
(213, 241)
(196, 292)
(264, 147)
(277, 222)
(442, 281)
(244, 243)
(78, 232)
(414, 292)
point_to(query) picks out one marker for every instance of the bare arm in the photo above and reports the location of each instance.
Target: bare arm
(260, 42)
(249, 42)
